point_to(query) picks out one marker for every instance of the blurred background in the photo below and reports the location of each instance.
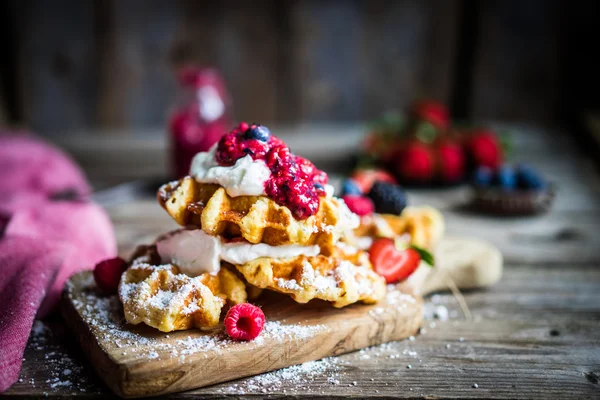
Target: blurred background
(99, 77)
(93, 66)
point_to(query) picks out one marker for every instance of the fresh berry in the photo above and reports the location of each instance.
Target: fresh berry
(365, 178)
(415, 164)
(359, 204)
(484, 149)
(431, 111)
(483, 177)
(244, 321)
(388, 198)
(258, 132)
(107, 274)
(506, 177)
(451, 162)
(350, 187)
(393, 264)
(529, 178)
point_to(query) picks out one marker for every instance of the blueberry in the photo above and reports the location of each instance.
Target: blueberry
(258, 132)
(507, 178)
(529, 178)
(350, 187)
(483, 177)
(318, 186)
(388, 198)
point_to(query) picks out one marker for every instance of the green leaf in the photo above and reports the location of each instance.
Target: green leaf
(390, 122)
(426, 132)
(506, 143)
(425, 255)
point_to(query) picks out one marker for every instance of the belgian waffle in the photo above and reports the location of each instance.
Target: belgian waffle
(161, 297)
(257, 219)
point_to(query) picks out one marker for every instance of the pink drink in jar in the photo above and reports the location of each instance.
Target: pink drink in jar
(200, 117)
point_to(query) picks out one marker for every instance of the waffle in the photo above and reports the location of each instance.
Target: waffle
(161, 297)
(424, 224)
(336, 279)
(257, 219)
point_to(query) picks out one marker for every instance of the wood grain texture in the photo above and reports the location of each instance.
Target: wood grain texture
(140, 361)
(57, 68)
(533, 335)
(355, 59)
(516, 66)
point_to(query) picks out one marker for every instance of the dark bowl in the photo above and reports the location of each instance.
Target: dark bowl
(516, 202)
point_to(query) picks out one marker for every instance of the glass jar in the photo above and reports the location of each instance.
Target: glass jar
(199, 117)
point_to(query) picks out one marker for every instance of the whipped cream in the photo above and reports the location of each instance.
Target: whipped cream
(247, 177)
(196, 252)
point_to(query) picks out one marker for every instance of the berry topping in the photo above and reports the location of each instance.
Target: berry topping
(350, 187)
(388, 198)
(393, 264)
(258, 132)
(365, 178)
(483, 177)
(295, 182)
(244, 321)
(359, 204)
(107, 274)
(507, 179)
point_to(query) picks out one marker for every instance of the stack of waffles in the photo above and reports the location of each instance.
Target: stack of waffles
(231, 247)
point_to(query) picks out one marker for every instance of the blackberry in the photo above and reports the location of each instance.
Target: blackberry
(388, 198)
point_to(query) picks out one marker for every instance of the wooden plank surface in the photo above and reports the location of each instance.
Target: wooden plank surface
(532, 335)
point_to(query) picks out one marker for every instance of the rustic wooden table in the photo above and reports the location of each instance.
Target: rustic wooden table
(535, 334)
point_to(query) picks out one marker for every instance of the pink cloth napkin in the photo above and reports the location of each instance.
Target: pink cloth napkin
(43, 241)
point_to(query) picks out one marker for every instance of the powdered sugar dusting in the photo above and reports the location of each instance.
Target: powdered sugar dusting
(60, 370)
(104, 315)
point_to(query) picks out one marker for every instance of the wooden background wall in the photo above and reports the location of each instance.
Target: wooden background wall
(102, 64)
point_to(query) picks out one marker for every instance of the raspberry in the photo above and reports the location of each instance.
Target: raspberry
(388, 198)
(359, 205)
(107, 274)
(244, 321)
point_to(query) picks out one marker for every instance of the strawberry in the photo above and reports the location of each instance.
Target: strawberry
(365, 178)
(359, 205)
(244, 321)
(415, 163)
(107, 274)
(451, 160)
(432, 112)
(484, 149)
(393, 264)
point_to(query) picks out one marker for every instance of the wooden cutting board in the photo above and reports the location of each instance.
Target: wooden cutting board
(137, 361)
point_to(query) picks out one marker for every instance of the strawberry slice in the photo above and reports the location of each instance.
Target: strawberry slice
(393, 264)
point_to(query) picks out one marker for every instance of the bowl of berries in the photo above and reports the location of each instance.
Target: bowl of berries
(511, 190)
(422, 147)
